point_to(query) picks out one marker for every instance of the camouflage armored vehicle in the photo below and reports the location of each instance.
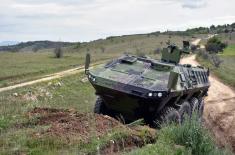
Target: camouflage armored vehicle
(156, 90)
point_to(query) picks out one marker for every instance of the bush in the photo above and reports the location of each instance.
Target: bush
(193, 48)
(192, 135)
(216, 61)
(189, 138)
(213, 58)
(214, 45)
(102, 49)
(205, 55)
(157, 51)
(58, 52)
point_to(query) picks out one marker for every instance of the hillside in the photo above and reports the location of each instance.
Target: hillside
(23, 66)
(33, 46)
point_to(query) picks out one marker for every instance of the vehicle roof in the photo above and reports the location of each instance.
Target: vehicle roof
(140, 72)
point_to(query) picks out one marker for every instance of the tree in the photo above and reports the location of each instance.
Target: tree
(58, 52)
(35, 48)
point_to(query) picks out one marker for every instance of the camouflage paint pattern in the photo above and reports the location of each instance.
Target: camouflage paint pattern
(137, 86)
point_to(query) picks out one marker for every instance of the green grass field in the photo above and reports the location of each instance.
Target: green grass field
(24, 66)
(226, 71)
(20, 134)
(229, 51)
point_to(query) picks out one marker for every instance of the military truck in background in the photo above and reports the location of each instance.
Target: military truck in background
(157, 90)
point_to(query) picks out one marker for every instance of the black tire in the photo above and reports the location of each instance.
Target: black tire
(200, 108)
(185, 111)
(169, 115)
(100, 107)
(194, 103)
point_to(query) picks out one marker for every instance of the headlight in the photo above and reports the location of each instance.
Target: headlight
(159, 94)
(93, 79)
(150, 94)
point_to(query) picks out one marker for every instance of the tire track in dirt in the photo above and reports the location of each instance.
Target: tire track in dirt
(219, 113)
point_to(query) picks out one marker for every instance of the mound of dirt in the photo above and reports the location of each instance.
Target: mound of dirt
(70, 125)
(65, 123)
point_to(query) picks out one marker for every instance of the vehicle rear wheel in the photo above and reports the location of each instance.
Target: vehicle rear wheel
(194, 106)
(169, 115)
(185, 111)
(200, 108)
(100, 107)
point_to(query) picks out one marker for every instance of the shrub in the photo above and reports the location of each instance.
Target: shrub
(214, 45)
(205, 55)
(35, 49)
(192, 135)
(189, 138)
(193, 48)
(58, 52)
(102, 49)
(157, 51)
(213, 58)
(216, 61)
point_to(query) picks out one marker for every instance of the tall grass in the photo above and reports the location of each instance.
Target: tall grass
(189, 138)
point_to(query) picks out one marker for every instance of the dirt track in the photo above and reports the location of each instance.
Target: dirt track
(219, 111)
(47, 78)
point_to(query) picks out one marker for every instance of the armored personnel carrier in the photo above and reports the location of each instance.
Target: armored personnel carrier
(156, 90)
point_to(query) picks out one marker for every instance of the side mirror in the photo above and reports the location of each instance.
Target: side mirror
(87, 63)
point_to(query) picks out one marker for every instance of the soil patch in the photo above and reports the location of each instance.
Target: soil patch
(71, 125)
(65, 123)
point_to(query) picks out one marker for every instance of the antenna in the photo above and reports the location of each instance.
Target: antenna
(87, 63)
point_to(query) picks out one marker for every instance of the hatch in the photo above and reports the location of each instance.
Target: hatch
(128, 59)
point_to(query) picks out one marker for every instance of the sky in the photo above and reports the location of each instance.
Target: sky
(85, 20)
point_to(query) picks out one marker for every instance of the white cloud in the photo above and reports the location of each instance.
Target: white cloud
(193, 4)
(75, 20)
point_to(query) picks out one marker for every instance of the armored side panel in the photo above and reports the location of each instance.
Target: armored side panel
(138, 87)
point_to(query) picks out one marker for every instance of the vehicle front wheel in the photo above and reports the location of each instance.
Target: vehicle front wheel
(185, 111)
(169, 115)
(100, 107)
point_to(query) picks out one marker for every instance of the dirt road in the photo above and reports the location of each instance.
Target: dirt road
(47, 78)
(196, 41)
(219, 111)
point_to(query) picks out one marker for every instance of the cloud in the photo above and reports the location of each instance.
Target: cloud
(84, 20)
(194, 4)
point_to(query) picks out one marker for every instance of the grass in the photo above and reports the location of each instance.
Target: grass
(71, 93)
(19, 67)
(226, 71)
(190, 138)
(229, 51)
(25, 66)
